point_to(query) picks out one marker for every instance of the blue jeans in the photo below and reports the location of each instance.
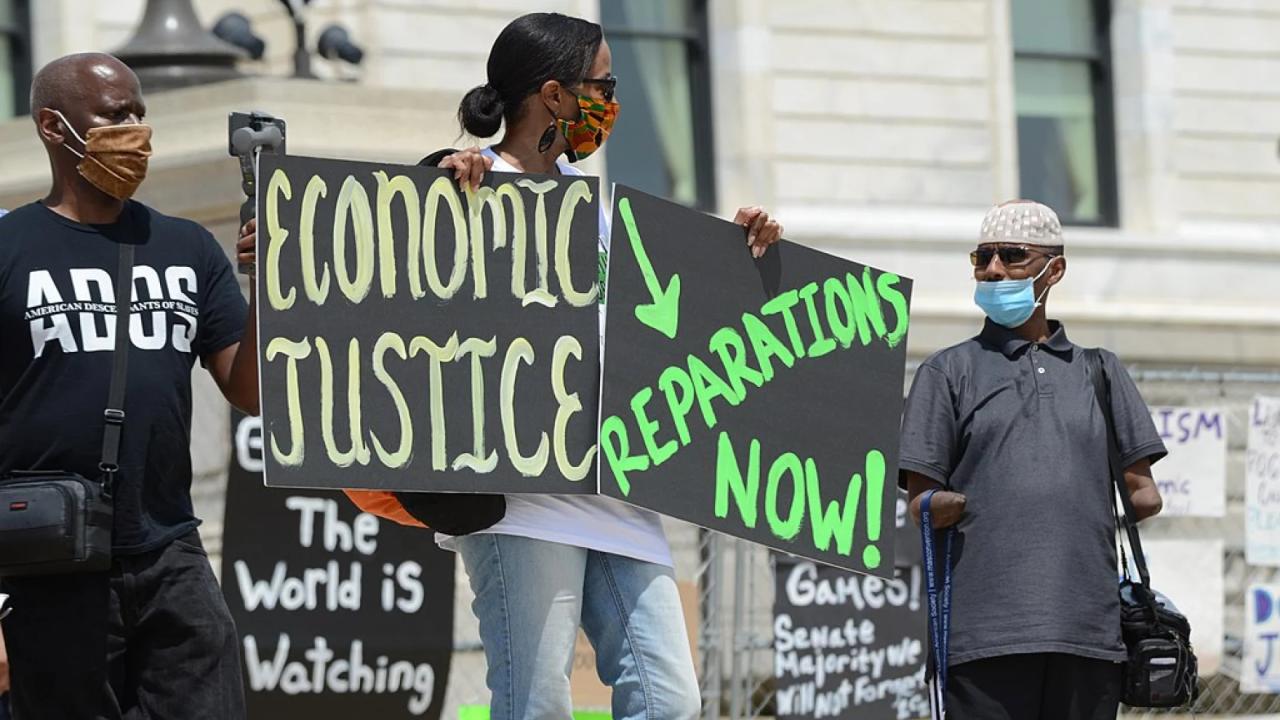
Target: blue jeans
(531, 596)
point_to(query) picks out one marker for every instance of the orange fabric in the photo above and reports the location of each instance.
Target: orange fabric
(115, 159)
(384, 505)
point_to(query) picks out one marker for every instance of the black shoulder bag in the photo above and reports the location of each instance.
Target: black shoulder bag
(1161, 671)
(54, 522)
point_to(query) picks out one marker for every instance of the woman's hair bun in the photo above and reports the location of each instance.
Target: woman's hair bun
(481, 111)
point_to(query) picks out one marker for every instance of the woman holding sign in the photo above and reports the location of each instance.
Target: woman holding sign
(555, 562)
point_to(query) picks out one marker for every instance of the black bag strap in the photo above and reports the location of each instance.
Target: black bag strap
(1102, 390)
(113, 428)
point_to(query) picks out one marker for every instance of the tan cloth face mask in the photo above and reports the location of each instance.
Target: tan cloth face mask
(114, 158)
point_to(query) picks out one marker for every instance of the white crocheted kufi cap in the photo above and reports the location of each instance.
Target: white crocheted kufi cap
(1021, 221)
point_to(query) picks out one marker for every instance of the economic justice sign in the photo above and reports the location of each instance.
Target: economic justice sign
(415, 335)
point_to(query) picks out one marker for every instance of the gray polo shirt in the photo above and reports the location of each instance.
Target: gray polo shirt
(1015, 427)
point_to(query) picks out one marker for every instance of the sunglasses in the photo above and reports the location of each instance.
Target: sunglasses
(1010, 255)
(608, 85)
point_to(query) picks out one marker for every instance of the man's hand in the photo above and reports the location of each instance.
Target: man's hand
(946, 508)
(469, 166)
(762, 230)
(247, 245)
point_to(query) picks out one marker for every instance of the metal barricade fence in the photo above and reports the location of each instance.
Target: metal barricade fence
(1232, 392)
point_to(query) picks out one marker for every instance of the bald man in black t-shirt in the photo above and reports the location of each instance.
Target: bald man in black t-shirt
(151, 637)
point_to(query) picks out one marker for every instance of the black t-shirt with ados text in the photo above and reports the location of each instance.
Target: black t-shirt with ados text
(57, 336)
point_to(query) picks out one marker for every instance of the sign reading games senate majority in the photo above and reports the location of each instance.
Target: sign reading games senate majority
(848, 646)
(761, 398)
(417, 336)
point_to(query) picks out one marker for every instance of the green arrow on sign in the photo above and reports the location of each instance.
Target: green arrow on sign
(663, 314)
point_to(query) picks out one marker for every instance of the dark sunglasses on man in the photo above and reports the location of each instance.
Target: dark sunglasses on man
(1010, 255)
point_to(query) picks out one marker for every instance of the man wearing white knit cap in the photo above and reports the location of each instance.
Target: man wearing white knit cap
(1003, 438)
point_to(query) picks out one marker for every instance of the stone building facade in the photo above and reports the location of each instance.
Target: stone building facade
(879, 130)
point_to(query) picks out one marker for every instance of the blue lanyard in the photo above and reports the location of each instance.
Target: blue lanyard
(939, 607)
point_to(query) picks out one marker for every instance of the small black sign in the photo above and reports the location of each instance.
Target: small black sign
(849, 645)
(340, 615)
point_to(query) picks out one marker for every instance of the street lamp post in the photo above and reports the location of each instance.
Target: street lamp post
(171, 49)
(301, 57)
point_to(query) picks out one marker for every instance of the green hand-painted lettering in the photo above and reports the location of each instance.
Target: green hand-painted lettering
(838, 303)
(766, 345)
(729, 480)
(788, 528)
(854, 308)
(675, 383)
(886, 285)
(836, 520)
(663, 314)
(784, 304)
(866, 305)
(821, 343)
(707, 385)
(617, 452)
(875, 491)
(649, 429)
(728, 344)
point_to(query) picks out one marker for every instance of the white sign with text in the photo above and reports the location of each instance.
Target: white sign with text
(1262, 484)
(1193, 478)
(1260, 667)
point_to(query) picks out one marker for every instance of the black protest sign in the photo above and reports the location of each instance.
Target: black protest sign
(849, 645)
(761, 398)
(417, 336)
(340, 614)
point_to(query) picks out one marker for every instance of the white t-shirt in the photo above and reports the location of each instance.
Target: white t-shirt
(593, 521)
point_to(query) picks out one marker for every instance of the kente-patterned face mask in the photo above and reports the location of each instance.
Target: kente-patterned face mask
(591, 129)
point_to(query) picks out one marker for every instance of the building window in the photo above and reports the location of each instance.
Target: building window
(15, 57)
(663, 144)
(1063, 95)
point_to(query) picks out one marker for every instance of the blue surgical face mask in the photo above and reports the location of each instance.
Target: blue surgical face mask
(1010, 302)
